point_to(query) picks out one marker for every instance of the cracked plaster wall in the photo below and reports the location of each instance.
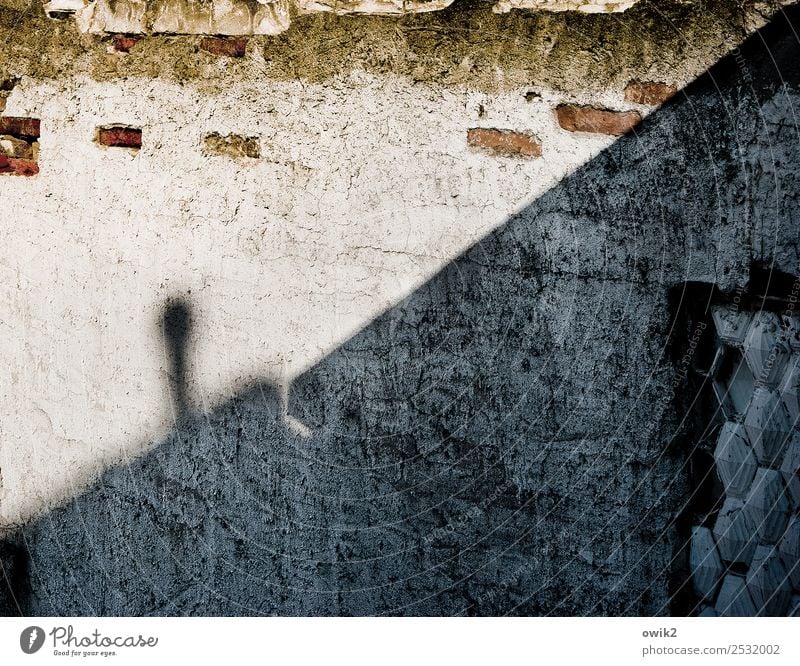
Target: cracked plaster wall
(364, 188)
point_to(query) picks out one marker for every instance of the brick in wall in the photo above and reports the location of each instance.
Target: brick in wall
(21, 128)
(123, 43)
(504, 142)
(649, 93)
(598, 121)
(231, 48)
(119, 136)
(19, 146)
(18, 167)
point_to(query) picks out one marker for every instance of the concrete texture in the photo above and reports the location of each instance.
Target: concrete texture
(373, 370)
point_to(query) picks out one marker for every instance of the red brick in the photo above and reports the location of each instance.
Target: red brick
(232, 48)
(504, 142)
(119, 137)
(599, 121)
(10, 165)
(650, 93)
(123, 43)
(20, 127)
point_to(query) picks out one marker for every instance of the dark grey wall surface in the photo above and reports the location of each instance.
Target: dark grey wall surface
(504, 441)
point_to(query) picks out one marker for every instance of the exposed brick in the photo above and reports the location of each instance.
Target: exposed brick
(14, 166)
(22, 128)
(600, 121)
(504, 142)
(12, 147)
(231, 145)
(118, 136)
(650, 93)
(123, 43)
(232, 47)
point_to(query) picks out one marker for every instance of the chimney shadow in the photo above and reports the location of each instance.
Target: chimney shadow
(175, 325)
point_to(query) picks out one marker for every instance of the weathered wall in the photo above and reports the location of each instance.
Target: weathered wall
(502, 437)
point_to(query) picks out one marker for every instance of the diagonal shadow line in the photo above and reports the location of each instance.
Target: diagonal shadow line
(500, 441)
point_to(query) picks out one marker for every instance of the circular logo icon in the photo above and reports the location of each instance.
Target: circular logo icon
(31, 639)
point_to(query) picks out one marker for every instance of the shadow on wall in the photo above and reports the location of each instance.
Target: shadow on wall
(503, 441)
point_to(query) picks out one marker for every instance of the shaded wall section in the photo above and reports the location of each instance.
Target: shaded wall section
(504, 441)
